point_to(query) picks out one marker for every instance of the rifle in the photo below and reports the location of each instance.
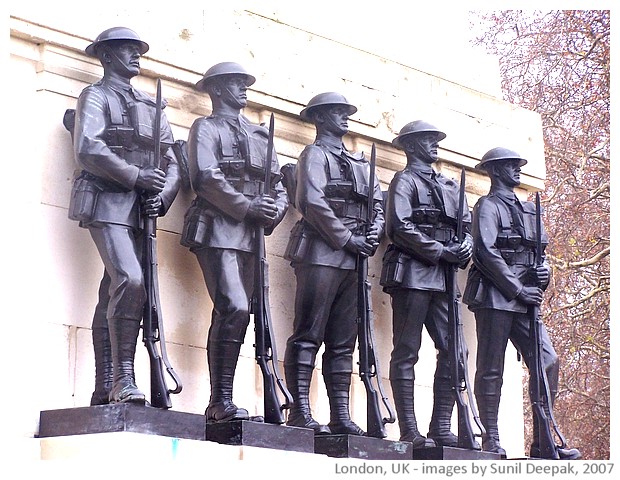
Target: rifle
(265, 345)
(545, 420)
(368, 370)
(456, 345)
(152, 323)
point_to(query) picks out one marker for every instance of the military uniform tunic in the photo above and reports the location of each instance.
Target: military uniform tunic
(111, 144)
(227, 157)
(503, 231)
(421, 214)
(332, 196)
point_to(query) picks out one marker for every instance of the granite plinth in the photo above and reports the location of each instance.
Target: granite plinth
(121, 417)
(353, 446)
(258, 434)
(453, 453)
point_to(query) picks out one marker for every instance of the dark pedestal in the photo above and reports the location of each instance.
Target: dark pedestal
(121, 418)
(353, 446)
(257, 434)
(452, 453)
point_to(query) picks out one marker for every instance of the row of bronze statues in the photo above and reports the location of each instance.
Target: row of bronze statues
(131, 171)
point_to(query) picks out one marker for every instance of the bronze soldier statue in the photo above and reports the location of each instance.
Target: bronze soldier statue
(503, 283)
(227, 156)
(421, 213)
(331, 195)
(117, 187)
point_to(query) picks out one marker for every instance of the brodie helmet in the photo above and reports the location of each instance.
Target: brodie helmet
(417, 126)
(327, 98)
(224, 68)
(500, 153)
(116, 33)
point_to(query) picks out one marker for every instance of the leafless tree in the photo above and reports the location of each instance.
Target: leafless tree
(558, 64)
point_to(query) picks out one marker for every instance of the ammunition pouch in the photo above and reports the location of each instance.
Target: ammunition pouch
(249, 188)
(246, 180)
(339, 189)
(440, 234)
(510, 241)
(425, 215)
(142, 117)
(347, 209)
(121, 141)
(393, 269)
(119, 137)
(513, 257)
(232, 167)
(298, 244)
(195, 226)
(475, 289)
(255, 167)
(83, 202)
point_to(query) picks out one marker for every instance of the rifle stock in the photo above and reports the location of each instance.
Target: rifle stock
(541, 396)
(152, 323)
(368, 370)
(265, 350)
(465, 404)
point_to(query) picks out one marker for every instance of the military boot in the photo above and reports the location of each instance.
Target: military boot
(298, 378)
(402, 390)
(123, 339)
(104, 368)
(443, 405)
(488, 408)
(338, 386)
(222, 358)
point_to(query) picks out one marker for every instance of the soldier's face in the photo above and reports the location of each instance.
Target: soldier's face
(508, 172)
(234, 91)
(336, 119)
(425, 146)
(124, 59)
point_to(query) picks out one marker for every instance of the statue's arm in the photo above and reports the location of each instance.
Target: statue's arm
(312, 201)
(400, 226)
(208, 180)
(91, 150)
(487, 257)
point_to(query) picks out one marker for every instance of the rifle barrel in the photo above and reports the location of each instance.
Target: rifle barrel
(157, 126)
(368, 371)
(152, 323)
(541, 392)
(265, 350)
(269, 159)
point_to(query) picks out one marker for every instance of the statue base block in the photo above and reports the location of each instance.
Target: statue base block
(353, 446)
(258, 434)
(453, 453)
(121, 417)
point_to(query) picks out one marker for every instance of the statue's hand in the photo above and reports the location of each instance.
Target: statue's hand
(152, 206)
(450, 253)
(541, 274)
(465, 251)
(531, 295)
(359, 245)
(262, 210)
(372, 237)
(151, 179)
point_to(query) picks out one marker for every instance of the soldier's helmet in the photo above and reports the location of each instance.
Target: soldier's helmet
(417, 126)
(116, 33)
(224, 68)
(326, 98)
(500, 153)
